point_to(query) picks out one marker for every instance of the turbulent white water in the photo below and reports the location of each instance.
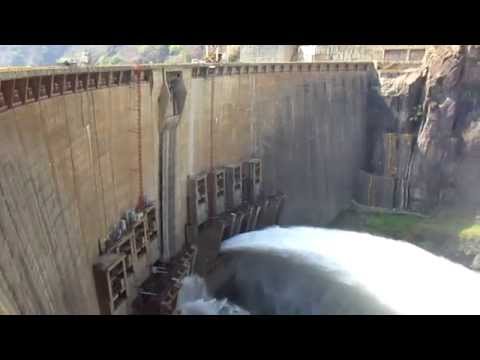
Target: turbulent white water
(194, 299)
(301, 270)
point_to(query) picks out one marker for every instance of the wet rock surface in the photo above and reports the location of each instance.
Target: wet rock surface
(437, 109)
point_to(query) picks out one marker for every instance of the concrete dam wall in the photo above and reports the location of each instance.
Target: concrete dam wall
(66, 174)
(69, 159)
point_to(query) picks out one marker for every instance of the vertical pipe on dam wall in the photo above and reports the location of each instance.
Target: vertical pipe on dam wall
(212, 125)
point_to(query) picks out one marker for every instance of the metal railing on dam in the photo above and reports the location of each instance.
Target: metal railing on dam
(20, 86)
(34, 84)
(238, 69)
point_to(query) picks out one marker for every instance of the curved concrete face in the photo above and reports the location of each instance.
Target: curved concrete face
(69, 164)
(67, 172)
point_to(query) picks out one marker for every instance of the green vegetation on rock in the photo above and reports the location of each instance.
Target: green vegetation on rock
(395, 226)
(452, 234)
(109, 60)
(174, 49)
(470, 233)
(18, 55)
(115, 60)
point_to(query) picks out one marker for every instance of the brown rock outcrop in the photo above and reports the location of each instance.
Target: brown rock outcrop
(439, 106)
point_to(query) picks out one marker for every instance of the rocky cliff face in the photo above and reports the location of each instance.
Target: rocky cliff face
(424, 130)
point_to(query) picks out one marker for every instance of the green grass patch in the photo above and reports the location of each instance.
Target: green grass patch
(451, 225)
(448, 233)
(390, 225)
(412, 227)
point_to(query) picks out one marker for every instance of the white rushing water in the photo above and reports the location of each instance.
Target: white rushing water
(302, 270)
(194, 299)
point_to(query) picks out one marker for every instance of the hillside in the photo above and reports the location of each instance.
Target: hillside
(38, 55)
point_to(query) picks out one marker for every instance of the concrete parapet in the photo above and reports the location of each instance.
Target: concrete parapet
(222, 70)
(8, 73)
(35, 84)
(20, 88)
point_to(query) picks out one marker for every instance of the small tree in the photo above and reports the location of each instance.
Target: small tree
(233, 53)
(174, 49)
